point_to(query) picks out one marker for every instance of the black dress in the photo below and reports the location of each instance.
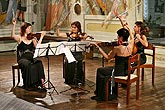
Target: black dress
(74, 71)
(32, 69)
(140, 51)
(104, 73)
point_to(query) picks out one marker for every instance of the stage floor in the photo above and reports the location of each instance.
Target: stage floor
(151, 98)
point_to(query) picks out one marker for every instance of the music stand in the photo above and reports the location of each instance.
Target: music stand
(77, 47)
(45, 48)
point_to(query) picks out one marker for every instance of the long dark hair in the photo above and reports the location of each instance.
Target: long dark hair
(78, 25)
(142, 27)
(24, 27)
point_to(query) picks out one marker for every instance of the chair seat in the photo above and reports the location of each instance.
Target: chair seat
(146, 66)
(16, 64)
(132, 76)
(129, 79)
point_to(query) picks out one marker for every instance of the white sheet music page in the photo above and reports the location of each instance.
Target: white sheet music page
(56, 47)
(40, 50)
(68, 55)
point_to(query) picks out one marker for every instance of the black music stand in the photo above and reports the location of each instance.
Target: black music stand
(74, 47)
(47, 49)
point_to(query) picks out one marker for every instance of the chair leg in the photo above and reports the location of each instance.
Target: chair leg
(142, 74)
(137, 90)
(153, 75)
(13, 73)
(117, 89)
(83, 72)
(128, 94)
(18, 76)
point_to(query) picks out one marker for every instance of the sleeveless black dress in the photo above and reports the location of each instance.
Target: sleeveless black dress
(32, 69)
(74, 71)
(104, 73)
(141, 52)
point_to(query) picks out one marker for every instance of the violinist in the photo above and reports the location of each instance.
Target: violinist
(121, 53)
(74, 35)
(32, 69)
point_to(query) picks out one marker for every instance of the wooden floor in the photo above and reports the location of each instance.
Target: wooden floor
(151, 97)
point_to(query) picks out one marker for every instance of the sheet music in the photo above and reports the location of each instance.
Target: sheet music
(57, 48)
(68, 55)
(40, 50)
(79, 46)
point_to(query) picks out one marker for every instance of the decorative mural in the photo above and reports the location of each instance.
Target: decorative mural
(104, 7)
(57, 13)
(7, 11)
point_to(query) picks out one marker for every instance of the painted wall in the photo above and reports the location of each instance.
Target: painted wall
(92, 24)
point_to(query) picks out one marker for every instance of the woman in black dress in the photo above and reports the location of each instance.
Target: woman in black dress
(140, 41)
(121, 54)
(32, 69)
(74, 68)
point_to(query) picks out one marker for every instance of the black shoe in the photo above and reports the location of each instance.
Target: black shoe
(42, 89)
(94, 97)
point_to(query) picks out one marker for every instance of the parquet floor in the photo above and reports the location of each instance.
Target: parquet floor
(151, 97)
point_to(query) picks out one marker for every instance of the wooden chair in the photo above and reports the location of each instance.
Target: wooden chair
(129, 79)
(16, 67)
(151, 65)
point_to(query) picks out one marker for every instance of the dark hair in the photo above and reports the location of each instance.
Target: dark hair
(142, 27)
(78, 25)
(24, 27)
(123, 33)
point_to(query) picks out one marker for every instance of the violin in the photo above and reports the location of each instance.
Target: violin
(30, 36)
(77, 36)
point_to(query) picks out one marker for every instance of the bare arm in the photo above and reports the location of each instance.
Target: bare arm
(43, 33)
(35, 41)
(121, 21)
(131, 41)
(108, 56)
(84, 36)
(59, 34)
(126, 26)
(142, 39)
(13, 35)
